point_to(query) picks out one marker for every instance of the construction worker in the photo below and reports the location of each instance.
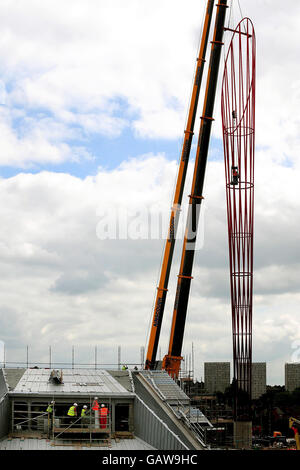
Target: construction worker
(124, 367)
(83, 411)
(72, 413)
(235, 175)
(50, 415)
(50, 409)
(84, 418)
(103, 416)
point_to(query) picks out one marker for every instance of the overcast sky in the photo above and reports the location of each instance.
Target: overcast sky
(93, 100)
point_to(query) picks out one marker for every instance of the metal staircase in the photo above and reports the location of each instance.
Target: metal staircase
(177, 401)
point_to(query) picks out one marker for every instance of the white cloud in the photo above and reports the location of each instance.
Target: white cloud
(41, 141)
(61, 285)
(77, 60)
(74, 68)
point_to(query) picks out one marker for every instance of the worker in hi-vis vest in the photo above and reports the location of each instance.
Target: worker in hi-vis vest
(103, 416)
(72, 413)
(50, 408)
(83, 411)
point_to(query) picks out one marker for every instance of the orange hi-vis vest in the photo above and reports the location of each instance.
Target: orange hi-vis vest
(103, 411)
(95, 406)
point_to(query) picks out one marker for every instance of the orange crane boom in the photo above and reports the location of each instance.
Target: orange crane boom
(172, 360)
(175, 210)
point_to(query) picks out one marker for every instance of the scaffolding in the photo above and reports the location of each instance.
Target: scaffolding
(32, 420)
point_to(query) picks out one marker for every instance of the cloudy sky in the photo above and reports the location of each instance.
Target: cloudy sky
(93, 101)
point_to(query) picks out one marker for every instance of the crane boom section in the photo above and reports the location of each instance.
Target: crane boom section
(172, 360)
(175, 210)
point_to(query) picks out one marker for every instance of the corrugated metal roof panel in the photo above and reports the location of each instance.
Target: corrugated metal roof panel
(74, 381)
(12, 376)
(123, 377)
(44, 444)
(166, 385)
(3, 385)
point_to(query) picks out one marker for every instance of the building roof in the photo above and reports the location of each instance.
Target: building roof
(3, 385)
(75, 381)
(122, 376)
(46, 444)
(165, 385)
(13, 376)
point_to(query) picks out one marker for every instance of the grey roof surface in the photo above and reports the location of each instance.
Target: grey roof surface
(13, 376)
(167, 387)
(194, 415)
(174, 396)
(122, 376)
(45, 444)
(3, 385)
(79, 381)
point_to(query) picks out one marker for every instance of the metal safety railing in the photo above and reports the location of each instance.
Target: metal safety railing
(183, 411)
(192, 420)
(91, 423)
(94, 426)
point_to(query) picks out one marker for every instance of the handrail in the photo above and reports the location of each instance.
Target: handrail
(196, 429)
(31, 419)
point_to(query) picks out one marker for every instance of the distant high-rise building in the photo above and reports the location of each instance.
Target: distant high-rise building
(259, 379)
(216, 376)
(292, 376)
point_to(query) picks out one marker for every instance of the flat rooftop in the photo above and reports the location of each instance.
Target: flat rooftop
(46, 444)
(75, 381)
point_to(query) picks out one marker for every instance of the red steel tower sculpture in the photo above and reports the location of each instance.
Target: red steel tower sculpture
(238, 120)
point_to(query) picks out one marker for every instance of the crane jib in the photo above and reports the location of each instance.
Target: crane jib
(158, 310)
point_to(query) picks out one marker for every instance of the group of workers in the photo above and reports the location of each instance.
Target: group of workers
(125, 367)
(72, 412)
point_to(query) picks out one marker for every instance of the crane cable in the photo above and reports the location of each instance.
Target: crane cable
(231, 13)
(231, 23)
(242, 16)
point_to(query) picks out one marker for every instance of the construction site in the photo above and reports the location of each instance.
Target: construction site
(157, 405)
(143, 411)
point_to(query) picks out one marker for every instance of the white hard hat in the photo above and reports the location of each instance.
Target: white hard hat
(102, 404)
(52, 401)
(75, 404)
(84, 406)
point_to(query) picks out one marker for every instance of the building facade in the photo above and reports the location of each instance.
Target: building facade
(216, 376)
(292, 376)
(259, 379)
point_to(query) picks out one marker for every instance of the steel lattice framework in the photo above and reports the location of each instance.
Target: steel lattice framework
(238, 120)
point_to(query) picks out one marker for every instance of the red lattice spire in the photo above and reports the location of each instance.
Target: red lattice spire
(238, 120)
